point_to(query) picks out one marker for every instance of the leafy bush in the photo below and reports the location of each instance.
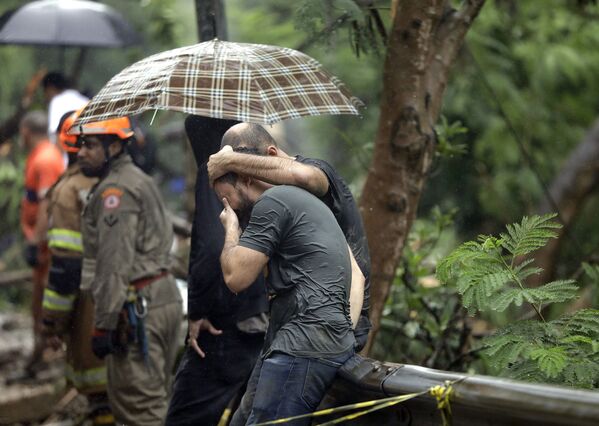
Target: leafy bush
(490, 274)
(424, 322)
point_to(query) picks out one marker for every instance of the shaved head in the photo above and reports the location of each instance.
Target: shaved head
(248, 137)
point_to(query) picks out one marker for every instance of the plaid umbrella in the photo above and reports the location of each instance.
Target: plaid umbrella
(246, 82)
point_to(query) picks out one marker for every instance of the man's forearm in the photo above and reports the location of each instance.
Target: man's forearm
(226, 260)
(279, 171)
(273, 170)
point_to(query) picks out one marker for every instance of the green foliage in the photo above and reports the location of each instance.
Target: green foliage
(490, 275)
(423, 322)
(11, 190)
(321, 20)
(446, 136)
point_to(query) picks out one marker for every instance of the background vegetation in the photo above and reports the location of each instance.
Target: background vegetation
(521, 98)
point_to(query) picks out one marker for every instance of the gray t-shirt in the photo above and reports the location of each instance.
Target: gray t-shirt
(309, 273)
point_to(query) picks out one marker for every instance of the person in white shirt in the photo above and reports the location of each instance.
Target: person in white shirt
(61, 99)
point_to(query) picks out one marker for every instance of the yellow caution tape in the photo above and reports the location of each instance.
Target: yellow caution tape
(224, 419)
(442, 393)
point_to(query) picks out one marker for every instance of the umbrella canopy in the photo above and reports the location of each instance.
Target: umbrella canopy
(66, 23)
(239, 81)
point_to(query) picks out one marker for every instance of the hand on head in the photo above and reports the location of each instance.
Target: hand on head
(218, 163)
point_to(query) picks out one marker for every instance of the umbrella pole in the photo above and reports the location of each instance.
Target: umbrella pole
(78, 66)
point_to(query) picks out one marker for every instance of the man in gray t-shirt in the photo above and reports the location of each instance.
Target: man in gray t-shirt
(309, 274)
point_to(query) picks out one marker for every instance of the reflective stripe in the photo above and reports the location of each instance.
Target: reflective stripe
(54, 301)
(65, 239)
(87, 378)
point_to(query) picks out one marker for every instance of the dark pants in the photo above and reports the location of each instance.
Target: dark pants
(204, 387)
(284, 386)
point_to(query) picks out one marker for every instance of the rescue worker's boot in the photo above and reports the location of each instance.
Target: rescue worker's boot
(100, 412)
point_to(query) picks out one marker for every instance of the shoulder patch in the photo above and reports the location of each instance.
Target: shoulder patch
(112, 197)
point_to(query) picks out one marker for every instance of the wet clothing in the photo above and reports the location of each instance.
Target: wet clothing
(208, 296)
(341, 202)
(67, 311)
(127, 232)
(309, 273)
(291, 385)
(204, 387)
(310, 332)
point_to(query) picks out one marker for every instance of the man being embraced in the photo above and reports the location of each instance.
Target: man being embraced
(309, 277)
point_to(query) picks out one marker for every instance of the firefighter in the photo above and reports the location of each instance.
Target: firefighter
(43, 167)
(67, 307)
(138, 310)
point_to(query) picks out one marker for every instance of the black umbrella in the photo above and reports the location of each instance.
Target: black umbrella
(66, 23)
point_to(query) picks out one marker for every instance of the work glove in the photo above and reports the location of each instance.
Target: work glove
(103, 342)
(30, 254)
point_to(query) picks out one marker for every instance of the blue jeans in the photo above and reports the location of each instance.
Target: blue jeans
(285, 386)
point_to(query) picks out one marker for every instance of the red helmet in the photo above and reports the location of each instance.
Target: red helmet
(120, 127)
(68, 142)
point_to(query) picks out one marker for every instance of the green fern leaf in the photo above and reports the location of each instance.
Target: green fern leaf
(468, 253)
(582, 373)
(530, 234)
(551, 361)
(592, 271)
(506, 353)
(523, 272)
(584, 321)
(506, 298)
(525, 370)
(577, 338)
(554, 292)
(493, 282)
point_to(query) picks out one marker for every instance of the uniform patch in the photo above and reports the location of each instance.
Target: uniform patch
(112, 198)
(112, 202)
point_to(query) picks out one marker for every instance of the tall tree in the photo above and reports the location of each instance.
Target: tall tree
(423, 43)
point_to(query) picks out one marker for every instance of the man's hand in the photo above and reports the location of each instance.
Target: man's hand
(228, 217)
(218, 163)
(194, 331)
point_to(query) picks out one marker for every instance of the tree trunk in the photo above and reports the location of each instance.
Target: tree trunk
(423, 44)
(211, 20)
(577, 179)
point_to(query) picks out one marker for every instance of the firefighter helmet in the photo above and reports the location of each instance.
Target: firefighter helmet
(68, 142)
(120, 127)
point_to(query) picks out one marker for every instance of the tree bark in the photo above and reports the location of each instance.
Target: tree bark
(423, 44)
(211, 20)
(569, 190)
